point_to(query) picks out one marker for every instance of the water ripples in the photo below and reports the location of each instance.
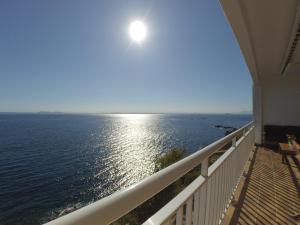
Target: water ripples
(51, 163)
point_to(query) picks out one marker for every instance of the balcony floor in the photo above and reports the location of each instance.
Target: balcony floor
(269, 194)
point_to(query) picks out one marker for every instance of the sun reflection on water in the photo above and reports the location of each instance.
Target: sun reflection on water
(136, 117)
(133, 149)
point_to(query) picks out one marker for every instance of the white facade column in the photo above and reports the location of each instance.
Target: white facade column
(258, 113)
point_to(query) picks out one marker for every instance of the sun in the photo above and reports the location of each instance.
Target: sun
(137, 31)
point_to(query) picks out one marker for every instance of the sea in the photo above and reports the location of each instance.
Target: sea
(50, 163)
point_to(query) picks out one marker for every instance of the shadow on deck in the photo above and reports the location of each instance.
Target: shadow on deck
(270, 194)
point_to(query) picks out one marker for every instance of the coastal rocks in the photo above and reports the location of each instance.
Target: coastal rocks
(228, 129)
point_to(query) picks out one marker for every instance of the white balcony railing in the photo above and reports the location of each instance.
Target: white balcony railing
(204, 201)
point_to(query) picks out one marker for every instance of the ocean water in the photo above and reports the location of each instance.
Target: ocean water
(49, 163)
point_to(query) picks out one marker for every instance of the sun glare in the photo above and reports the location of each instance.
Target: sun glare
(137, 31)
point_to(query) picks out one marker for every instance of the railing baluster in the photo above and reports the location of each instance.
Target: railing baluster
(227, 180)
(223, 179)
(188, 214)
(196, 207)
(203, 204)
(208, 201)
(203, 200)
(219, 191)
(215, 193)
(179, 216)
(234, 142)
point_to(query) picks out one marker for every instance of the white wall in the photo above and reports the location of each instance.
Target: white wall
(281, 101)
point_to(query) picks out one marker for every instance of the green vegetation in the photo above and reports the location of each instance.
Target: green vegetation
(169, 158)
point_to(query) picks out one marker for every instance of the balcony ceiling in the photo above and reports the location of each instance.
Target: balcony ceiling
(267, 34)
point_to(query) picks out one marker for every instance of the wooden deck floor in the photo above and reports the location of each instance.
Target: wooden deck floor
(270, 194)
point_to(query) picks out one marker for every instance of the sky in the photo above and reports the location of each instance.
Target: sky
(77, 56)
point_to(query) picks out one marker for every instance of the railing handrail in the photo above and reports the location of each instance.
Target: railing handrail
(112, 207)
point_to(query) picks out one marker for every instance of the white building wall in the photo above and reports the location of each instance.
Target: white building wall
(281, 101)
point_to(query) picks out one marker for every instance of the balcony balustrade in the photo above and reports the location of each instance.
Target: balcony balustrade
(204, 201)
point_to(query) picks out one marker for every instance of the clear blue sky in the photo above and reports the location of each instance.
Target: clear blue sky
(76, 56)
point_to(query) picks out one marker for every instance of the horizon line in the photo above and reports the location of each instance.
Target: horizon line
(59, 112)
